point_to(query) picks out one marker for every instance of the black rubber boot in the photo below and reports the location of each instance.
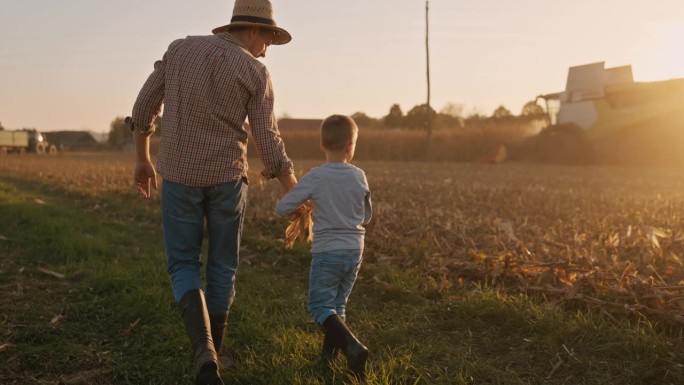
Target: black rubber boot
(330, 349)
(218, 329)
(193, 310)
(353, 350)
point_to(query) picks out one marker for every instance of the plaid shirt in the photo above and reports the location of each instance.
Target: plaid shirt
(208, 86)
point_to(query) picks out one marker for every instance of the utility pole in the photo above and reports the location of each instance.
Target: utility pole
(428, 122)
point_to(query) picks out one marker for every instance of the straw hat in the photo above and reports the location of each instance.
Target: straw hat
(255, 13)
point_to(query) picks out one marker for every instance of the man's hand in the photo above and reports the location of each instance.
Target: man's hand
(145, 178)
(288, 181)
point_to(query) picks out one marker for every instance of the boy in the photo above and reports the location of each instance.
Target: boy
(341, 206)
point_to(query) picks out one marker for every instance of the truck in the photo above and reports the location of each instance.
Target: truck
(23, 141)
(604, 116)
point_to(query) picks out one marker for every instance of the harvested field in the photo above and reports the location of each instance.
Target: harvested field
(602, 237)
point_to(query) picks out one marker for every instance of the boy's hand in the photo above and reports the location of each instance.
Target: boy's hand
(302, 210)
(301, 225)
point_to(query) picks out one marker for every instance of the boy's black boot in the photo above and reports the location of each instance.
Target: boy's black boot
(330, 349)
(353, 350)
(193, 310)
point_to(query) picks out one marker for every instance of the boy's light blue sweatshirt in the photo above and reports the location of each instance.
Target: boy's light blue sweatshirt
(342, 205)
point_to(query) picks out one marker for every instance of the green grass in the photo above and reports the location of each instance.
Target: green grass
(112, 320)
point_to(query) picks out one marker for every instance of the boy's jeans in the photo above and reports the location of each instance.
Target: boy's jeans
(331, 280)
(183, 211)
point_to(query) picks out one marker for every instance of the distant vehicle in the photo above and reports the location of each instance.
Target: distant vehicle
(603, 113)
(22, 141)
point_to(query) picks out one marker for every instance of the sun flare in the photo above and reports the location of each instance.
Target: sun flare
(660, 56)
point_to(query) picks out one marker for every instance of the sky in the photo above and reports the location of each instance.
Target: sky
(78, 64)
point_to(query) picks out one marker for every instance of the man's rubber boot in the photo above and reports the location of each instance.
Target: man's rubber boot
(219, 322)
(193, 308)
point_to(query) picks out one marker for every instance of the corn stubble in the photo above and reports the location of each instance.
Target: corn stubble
(597, 237)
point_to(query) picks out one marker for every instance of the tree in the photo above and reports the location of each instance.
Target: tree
(475, 119)
(451, 116)
(531, 108)
(452, 109)
(1, 127)
(395, 118)
(417, 116)
(502, 113)
(119, 134)
(443, 120)
(363, 120)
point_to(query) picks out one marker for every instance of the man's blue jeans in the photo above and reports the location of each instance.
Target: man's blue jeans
(331, 280)
(184, 210)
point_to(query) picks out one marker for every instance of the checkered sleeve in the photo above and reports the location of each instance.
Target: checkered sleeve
(267, 140)
(151, 97)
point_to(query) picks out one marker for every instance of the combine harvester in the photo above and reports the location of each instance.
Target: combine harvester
(604, 116)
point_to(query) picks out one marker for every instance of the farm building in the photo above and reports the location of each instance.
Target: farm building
(72, 140)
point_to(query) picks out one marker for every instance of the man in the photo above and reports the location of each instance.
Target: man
(208, 86)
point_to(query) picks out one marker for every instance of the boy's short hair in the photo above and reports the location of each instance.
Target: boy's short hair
(337, 131)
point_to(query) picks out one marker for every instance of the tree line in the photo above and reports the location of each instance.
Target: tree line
(451, 116)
